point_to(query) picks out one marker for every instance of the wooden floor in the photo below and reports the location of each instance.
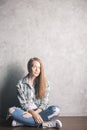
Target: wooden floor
(69, 123)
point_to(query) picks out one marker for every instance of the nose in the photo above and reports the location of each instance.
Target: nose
(37, 68)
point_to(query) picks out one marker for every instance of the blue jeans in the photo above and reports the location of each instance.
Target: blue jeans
(46, 115)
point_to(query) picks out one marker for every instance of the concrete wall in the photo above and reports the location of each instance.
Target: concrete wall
(56, 32)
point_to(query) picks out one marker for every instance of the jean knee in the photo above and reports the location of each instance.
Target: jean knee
(55, 109)
(11, 110)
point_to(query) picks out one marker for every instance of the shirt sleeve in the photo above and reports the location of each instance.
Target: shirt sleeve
(21, 95)
(45, 101)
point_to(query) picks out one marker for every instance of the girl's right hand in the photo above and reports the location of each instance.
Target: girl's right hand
(37, 117)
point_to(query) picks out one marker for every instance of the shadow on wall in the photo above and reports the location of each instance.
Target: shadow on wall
(8, 92)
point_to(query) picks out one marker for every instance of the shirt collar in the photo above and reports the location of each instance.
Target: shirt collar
(25, 80)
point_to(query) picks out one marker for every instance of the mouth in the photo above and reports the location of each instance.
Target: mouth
(36, 73)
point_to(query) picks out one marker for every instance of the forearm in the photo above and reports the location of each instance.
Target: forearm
(36, 115)
(31, 111)
(38, 110)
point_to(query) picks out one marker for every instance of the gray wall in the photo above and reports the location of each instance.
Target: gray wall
(56, 32)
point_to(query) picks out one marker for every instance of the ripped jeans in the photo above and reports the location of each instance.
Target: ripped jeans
(47, 115)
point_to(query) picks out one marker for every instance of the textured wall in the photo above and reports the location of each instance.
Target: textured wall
(56, 32)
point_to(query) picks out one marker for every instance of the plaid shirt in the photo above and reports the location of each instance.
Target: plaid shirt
(26, 96)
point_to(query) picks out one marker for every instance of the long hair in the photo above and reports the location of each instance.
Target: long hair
(40, 83)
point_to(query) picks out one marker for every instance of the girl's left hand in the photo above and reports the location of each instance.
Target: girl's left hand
(27, 114)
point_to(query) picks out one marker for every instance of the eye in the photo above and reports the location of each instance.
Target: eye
(34, 66)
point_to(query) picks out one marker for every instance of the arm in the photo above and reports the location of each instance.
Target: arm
(36, 115)
(22, 95)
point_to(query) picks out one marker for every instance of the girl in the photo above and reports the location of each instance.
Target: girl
(33, 96)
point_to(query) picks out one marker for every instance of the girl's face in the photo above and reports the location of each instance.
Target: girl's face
(35, 69)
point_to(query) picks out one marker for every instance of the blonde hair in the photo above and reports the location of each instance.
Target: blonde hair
(40, 87)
